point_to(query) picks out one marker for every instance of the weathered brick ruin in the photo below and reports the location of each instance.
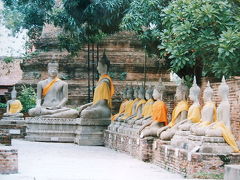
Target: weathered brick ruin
(9, 160)
(123, 50)
(188, 164)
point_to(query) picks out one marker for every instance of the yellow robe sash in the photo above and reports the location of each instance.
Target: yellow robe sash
(194, 114)
(128, 111)
(15, 107)
(121, 109)
(206, 123)
(147, 109)
(142, 101)
(159, 112)
(227, 135)
(104, 90)
(181, 106)
(47, 88)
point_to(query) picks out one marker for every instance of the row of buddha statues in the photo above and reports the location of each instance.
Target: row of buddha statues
(144, 114)
(52, 96)
(141, 113)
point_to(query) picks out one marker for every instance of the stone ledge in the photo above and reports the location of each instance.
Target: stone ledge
(51, 131)
(50, 139)
(232, 172)
(93, 122)
(40, 120)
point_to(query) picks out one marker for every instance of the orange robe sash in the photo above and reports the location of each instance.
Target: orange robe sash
(159, 112)
(181, 106)
(49, 86)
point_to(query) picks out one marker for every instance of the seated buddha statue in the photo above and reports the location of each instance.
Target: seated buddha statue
(128, 109)
(122, 106)
(139, 106)
(147, 108)
(194, 112)
(222, 127)
(121, 110)
(178, 115)
(52, 95)
(159, 113)
(208, 113)
(14, 106)
(102, 99)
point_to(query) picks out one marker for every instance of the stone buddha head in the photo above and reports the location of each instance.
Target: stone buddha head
(181, 91)
(223, 89)
(103, 64)
(208, 93)
(136, 88)
(141, 92)
(194, 91)
(130, 92)
(149, 92)
(53, 69)
(13, 93)
(124, 93)
(159, 90)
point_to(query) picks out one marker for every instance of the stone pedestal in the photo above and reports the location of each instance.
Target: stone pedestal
(232, 172)
(180, 139)
(90, 132)
(215, 145)
(51, 129)
(14, 126)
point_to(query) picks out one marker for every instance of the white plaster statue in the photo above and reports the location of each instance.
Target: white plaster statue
(178, 115)
(194, 112)
(208, 113)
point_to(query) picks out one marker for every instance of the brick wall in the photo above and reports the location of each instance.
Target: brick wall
(5, 139)
(234, 99)
(8, 160)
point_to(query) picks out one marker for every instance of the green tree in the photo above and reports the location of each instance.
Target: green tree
(82, 21)
(194, 37)
(144, 18)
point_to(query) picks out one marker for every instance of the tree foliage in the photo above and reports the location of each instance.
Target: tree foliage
(193, 36)
(198, 37)
(144, 18)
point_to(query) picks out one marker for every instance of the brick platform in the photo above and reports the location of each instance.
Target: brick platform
(161, 153)
(138, 148)
(8, 160)
(5, 139)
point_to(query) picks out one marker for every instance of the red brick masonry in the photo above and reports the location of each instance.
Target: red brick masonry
(8, 160)
(190, 165)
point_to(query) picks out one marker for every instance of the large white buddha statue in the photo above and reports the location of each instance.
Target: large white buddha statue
(222, 126)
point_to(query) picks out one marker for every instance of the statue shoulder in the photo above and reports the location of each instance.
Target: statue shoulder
(106, 80)
(62, 82)
(42, 82)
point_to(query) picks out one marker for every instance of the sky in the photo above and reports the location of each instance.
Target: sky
(9, 45)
